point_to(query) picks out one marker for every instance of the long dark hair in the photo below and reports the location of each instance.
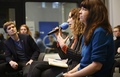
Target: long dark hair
(97, 17)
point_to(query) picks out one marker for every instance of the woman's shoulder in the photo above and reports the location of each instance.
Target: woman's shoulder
(100, 29)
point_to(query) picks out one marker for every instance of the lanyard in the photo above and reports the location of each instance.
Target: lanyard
(18, 44)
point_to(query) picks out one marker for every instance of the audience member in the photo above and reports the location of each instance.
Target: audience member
(39, 41)
(116, 32)
(20, 50)
(97, 43)
(72, 52)
(53, 45)
(64, 35)
(117, 45)
(24, 29)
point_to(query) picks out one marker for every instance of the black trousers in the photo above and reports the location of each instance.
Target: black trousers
(6, 68)
(43, 69)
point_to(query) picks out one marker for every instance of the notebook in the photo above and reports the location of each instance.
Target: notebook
(58, 63)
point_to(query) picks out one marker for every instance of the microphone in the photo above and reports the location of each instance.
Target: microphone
(63, 26)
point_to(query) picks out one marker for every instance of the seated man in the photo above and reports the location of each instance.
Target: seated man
(39, 41)
(116, 32)
(20, 50)
(117, 44)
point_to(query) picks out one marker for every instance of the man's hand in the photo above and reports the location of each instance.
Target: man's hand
(29, 62)
(13, 64)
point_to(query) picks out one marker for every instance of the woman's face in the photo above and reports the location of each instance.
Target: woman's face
(70, 21)
(23, 30)
(83, 15)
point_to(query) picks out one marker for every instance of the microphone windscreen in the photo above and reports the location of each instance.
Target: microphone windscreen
(64, 25)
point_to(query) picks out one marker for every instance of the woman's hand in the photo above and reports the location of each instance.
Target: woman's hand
(60, 31)
(59, 37)
(60, 40)
(67, 75)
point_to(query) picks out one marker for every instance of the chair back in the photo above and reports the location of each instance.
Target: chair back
(41, 56)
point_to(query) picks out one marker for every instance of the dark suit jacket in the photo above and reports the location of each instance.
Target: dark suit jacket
(29, 46)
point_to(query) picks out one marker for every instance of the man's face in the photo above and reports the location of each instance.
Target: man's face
(35, 36)
(116, 32)
(11, 30)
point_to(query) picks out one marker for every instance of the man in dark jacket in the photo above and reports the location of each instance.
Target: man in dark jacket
(20, 50)
(117, 45)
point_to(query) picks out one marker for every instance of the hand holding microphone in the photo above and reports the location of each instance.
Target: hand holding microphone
(59, 34)
(60, 40)
(63, 26)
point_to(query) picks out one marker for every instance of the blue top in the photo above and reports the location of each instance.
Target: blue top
(100, 49)
(40, 44)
